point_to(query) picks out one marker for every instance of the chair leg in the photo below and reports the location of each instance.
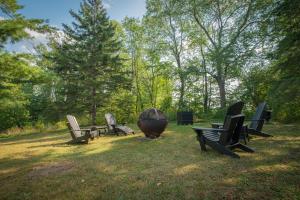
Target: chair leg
(244, 137)
(242, 147)
(259, 133)
(222, 149)
(248, 137)
(201, 140)
(265, 134)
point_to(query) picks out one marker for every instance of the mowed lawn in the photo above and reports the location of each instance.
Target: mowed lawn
(43, 166)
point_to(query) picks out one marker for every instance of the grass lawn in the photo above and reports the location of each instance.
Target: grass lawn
(43, 166)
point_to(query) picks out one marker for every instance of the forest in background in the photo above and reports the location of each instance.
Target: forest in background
(198, 55)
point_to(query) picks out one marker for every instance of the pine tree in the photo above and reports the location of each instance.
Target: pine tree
(16, 70)
(88, 60)
(285, 93)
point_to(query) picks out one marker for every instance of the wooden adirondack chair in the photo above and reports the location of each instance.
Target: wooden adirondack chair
(225, 139)
(78, 134)
(115, 128)
(261, 115)
(234, 109)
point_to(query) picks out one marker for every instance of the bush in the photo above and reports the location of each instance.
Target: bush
(13, 114)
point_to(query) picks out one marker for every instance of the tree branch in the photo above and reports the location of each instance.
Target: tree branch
(202, 27)
(240, 29)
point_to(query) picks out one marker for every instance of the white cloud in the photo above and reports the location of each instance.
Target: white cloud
(106, 5)
(37, 37)
(28, 45)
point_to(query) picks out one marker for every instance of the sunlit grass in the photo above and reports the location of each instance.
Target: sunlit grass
(43, 166)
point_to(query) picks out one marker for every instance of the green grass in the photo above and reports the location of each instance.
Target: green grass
(43, 166)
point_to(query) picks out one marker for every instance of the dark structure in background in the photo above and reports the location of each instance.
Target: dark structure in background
(152, 122)
(185, 118)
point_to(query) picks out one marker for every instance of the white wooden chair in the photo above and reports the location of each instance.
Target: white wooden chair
(115, 128)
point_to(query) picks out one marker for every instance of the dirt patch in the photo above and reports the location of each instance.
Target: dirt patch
(50, 169)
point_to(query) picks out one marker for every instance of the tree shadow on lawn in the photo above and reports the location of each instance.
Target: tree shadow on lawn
(170, 167)
(49, 136)
(189, 173)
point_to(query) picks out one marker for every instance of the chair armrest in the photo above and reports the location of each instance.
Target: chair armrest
(100, 127)
(200, 130)
(254, 120)
(210, 129)
(86, 131)
(216, 125)
(83, 129)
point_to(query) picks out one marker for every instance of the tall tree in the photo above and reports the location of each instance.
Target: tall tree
(150, 73)
(285, 93)
(16, 70)
(135, 43)
(88, 60)
(228, 26)
(14, 26)
(172, 24)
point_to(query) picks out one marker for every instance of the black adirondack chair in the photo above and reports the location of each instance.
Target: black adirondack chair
(234, 109)
(261, 115)
(78, 134)
(225, 139)
(115, 128)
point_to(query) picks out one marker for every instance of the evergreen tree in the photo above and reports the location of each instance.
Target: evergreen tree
(13, 25)
(89, 58)
(16, 70)
(286, 90)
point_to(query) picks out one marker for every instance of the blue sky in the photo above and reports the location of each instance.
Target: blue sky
(57, 12)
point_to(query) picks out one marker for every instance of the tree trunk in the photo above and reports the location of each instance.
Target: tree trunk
(209, 95)
(138, 105)
(222, 91)
(182, 91)
(182, 82)
(94, 107)
(205, 99)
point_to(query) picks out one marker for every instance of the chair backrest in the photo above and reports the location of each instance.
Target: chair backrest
(258, 118)
(71, 131)
(73, 125)
(234, 109)
(233, 125)
(110, 120)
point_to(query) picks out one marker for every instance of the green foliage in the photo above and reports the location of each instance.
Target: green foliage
(255, 86)
(286, 88)
(14, 26)
(16, 73)
(151, 76)
(89, 60)
(121, 105)
(17, 70)
(13, 113)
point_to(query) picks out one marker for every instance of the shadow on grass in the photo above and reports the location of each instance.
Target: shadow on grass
(34, 138)
(171, 167)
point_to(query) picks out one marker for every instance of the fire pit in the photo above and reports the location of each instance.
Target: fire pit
(152, 122)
